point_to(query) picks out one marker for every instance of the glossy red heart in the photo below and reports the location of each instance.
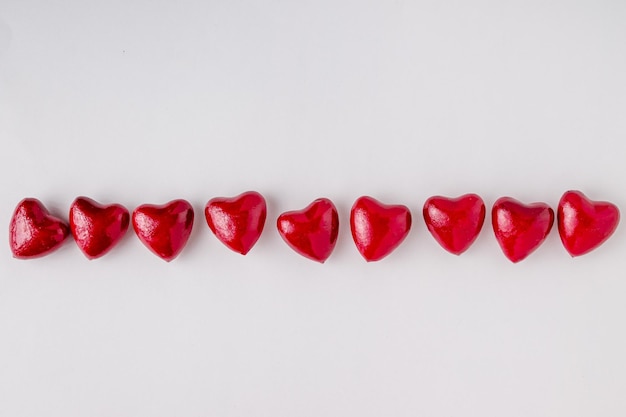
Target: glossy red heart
(312, 232)
(33, 232)
(97, 228)
(520, 228)
(164, 229)
(237, 222)
(585, 224)
(377, 228)
(455, 222)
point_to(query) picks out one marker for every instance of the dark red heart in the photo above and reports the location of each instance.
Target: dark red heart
(237, 222)
(455, 222)
(585, 224)
(377, 228)
(164, 229)
(33, 232)
(97, 228)
(520, 228)
(312, 232)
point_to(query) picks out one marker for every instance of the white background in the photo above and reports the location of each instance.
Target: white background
(146, 101)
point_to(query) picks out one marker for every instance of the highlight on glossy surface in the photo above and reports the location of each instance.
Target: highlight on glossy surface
(164, 229)
(519, 228)
(311, 232)
(33, 231)
(97, 228)
(238, 221)
(585, 224)
(377, 228)
(455, 222)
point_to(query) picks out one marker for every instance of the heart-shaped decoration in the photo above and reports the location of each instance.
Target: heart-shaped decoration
(312, 232)
(237, 222)
(520, 228)
(33, 232)
(585, 224)
(97, 228)
(164, 229)
(455, 222)
(377, 228)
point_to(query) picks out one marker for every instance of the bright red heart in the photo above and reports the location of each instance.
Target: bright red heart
(520, 228)
(33, 232)
(312, 232)
(455, 222)
(237, 222)
(164, 229)
(585, 224)
(377, 228)
(97, 228)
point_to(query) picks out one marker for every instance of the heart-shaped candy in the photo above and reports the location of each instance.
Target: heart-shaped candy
(377, 228)
(164, 229)
(33, 232)
(520, 228)
(97, 228)
(455, 222)
(585, 224)
(312, 232)
(237, 222)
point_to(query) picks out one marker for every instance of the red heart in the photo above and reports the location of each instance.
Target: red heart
(97, 228)
(237, 222)
(455, 222)
(377, 229)
(164, 229)
(312, 232)
(585, 224)
(33, 232)
(520, 228)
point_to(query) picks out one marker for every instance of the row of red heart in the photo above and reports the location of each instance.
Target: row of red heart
(377, 228)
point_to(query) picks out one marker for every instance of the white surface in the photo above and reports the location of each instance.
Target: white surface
(143, 101)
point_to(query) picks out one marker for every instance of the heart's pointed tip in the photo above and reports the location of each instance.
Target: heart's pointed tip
(243, 252)
(90, 257)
